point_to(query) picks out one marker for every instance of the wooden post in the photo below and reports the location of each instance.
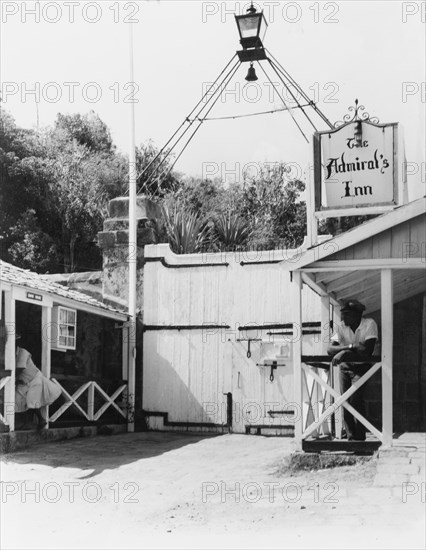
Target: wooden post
(10, 359)
(338, 415)
(124, 352)
(129, 354)
(91, 401)
(297, 358)
(131, 385)
(387, 355)
(311, 220)
(46, 345)
(325, 340)
(325, 324)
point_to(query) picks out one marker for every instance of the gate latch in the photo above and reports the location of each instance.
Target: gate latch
(273, 367)
(249, 340)
(273, 364)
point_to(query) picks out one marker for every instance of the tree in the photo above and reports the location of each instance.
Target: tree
(55, 190)
(24, 177)
(154, 176)
(56, 185)
(32, 248)
(88, 130)
(271, 204)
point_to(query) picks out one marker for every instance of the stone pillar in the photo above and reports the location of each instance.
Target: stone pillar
(114, 242)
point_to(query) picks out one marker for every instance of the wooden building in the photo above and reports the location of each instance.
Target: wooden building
(381, 263)
(76, 340)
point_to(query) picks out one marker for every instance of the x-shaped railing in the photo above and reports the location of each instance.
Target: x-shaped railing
(90, 414)
(339, 399)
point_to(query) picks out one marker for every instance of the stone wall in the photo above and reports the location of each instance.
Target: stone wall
(114, 242)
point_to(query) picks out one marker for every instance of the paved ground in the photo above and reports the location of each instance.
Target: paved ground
(163, 490)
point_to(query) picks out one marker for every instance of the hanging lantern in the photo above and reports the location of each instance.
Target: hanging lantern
(358, 134)
(252, 28)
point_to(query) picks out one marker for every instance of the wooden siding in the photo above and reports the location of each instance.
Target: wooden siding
(406, 240)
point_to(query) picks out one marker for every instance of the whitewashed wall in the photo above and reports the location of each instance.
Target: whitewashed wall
(187, 372)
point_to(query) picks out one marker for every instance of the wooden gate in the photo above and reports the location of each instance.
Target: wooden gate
(199, 313)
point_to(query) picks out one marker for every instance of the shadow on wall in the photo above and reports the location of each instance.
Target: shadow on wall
(180, 379)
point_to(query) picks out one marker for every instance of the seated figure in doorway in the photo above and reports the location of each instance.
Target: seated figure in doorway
(33, 389)
(356, 335)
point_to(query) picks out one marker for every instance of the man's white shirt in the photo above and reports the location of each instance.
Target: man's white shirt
(344, 335)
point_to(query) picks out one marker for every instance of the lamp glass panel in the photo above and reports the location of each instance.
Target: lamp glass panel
(248, 26)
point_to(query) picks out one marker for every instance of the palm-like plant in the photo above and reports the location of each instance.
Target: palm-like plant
(232, 231)
(187, 233)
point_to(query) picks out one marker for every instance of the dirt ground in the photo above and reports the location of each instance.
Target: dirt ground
(165, 490)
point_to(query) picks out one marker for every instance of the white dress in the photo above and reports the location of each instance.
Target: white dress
(35, 390)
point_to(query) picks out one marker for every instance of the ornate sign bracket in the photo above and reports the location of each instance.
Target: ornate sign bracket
(357, 116)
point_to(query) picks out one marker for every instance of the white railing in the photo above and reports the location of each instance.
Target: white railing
(317, 399)
(90, 414)
(320, 410)
(3, 383)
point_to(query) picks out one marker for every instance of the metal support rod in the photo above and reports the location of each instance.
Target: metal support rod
(291, 93)
(132, 256)
(197, 116)
(195, 119)
(300, 90)
(185, 120)
(282, 99)
(230, 75)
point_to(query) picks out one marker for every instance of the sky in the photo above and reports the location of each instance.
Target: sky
(73, 57)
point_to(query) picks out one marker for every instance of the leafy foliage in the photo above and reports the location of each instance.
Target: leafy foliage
(57, 183)
(87, 130)
(263, 213)
(231, 231)
(187, 233)
(154, 176)
(271, 204)
(32, 248)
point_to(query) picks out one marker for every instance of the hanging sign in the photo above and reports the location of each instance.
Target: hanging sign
(355, 166)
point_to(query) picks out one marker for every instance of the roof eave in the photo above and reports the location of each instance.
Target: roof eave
(356, 235)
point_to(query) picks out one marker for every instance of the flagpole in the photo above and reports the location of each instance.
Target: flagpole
(132, 256)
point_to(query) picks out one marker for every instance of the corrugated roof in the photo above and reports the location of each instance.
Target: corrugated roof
(23, 277)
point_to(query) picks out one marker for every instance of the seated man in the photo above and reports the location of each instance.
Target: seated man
(356, 335)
